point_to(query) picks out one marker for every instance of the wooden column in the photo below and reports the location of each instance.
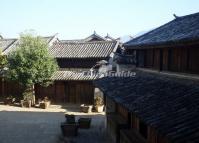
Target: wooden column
(161, 60)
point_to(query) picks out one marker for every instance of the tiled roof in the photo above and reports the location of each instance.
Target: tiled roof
(95, 49)
(92, 37)
(72, 41)
(124, 59)
(73, 75)
(6, 43)
(48, 39)
(109, 38)
(167, 103)
(185, 28)
(11, 44)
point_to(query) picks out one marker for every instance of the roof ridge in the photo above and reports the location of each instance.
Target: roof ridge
(155, 29)
(126, 44)
(8, 39)
(92, 42)
(188, 15)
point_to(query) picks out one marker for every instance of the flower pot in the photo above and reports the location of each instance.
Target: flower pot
(99, 108)
(84, 123)
(44, 104)
(9, 101)
(26, 103)
(69, 130)
(70, 119)
(86, 108)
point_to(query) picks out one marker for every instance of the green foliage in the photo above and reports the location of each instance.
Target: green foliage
(31, 62)
(98, 101)
(27, 95)
(3, 63)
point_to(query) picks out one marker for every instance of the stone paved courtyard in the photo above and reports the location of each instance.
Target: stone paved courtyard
(34, 125)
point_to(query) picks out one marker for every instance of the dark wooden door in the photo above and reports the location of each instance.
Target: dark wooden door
(72, 93)
(60, 92)
(79, 92)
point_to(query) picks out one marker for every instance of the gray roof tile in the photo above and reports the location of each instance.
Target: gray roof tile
(185, 28)
(6, 43)
(168, 103)
(73, 75)
(95, 49)
(9, 45)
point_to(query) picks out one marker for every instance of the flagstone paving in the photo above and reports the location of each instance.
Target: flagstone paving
(34, 125)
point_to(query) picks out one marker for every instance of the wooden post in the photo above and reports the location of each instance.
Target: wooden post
(161, 60)
(33, 94)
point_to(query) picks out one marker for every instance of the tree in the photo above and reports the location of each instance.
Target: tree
(31, 62)
(3, 63)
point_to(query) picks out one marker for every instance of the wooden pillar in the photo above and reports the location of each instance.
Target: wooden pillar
(188, 59)
(161, 60)
(169, 59)
(33, 95)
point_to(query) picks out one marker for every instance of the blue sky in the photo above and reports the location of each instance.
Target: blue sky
(74, 19)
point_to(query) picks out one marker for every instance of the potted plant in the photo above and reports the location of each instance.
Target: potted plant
(86, 108)
(45, 103)
(27, 100)
(69, 127)
(98, 104)
(9, 100)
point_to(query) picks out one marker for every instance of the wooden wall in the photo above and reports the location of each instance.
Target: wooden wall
(9, 88)
(193, 63)
(165, 60)
(152, 135)
(134, 121)
(175, 59)
(123, 112)
(140, 57)
(1, 87)
(110, 105)
(60, 91)
(78, 63)
(149, 58)
(68, 92)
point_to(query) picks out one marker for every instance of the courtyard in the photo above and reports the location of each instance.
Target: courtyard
(34, 125)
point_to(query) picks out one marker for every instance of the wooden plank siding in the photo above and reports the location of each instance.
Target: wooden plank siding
(140, 58)
(110, 105)
(184, 60)
(60, 91)
(1, 87)
(175, 59)
(149, 59)
(193, 64)
(123, 112)
(152, 135)
(156, 64)
(12, 88)
(78, 63)
(68, 92)
(134, 122)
